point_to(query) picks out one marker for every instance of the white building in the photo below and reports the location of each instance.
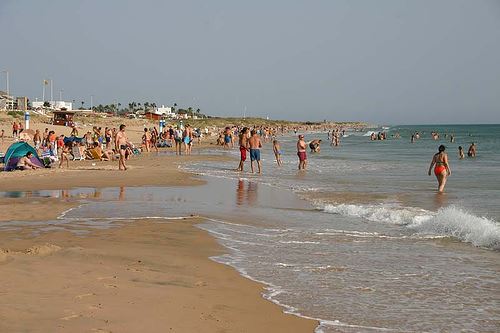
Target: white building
(165, 111)
(56, 105)
(6, 101)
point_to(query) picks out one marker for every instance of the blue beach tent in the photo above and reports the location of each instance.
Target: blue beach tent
(16, 151)
(72, 139)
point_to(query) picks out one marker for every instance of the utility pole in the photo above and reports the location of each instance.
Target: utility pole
(7, 83)
(91, 102)
(51, 91)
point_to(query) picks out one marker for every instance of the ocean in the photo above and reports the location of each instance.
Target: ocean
(360, 241)
(379, 249)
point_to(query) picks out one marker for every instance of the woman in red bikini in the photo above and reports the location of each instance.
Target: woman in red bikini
(441, 167)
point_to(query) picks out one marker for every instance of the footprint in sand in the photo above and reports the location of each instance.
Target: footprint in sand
(106, 277)
(95, 307)
(73, 316)
(84, 295)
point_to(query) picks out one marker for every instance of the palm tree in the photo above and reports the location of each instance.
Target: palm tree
(83, 102)
(131, 106)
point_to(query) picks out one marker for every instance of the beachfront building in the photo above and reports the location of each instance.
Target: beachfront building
(161, 113)
(55, 105)
(166, 111)
(6, 101)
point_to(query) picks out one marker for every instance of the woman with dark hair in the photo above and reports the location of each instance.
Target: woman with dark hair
(441, 167)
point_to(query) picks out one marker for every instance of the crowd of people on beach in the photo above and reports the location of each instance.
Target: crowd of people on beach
(102, 144)
(250, 142)
(111, 143)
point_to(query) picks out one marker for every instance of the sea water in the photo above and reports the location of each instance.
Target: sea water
(360, 241)
(381, 250)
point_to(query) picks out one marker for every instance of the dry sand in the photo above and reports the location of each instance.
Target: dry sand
(138, 277)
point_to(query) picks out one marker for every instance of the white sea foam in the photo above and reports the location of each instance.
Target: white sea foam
(299, 242)
(381, 213)
(457, 223)
(447, 222)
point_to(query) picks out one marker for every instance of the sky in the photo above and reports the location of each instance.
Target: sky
(383, 62)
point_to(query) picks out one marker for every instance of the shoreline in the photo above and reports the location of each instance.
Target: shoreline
(237, 304)
(150, 273)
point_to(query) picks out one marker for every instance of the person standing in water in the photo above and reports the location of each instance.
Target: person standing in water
(301, 152)
(461, 154)
(243, 138)
(472, 150)
(277, 152)
(441, 167)
(255, 146)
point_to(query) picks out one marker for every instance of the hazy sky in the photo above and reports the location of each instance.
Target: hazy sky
(393, 62)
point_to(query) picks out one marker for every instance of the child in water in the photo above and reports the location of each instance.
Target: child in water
(277, 152)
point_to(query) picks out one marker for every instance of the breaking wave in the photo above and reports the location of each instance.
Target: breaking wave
(447, 222)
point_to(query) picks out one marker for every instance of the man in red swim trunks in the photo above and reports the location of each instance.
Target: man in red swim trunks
(301, 152)
(243, 148)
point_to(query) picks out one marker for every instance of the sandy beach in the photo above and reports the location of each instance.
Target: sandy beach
(145, 277)
(149, 276)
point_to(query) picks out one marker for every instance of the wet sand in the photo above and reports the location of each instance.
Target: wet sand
(147, 169)
(144, 276)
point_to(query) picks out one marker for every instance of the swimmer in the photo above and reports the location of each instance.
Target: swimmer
(472, 150)
(461, 154)
(315, 146)
(441, 167)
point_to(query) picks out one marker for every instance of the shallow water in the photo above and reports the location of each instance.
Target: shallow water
(354, 275)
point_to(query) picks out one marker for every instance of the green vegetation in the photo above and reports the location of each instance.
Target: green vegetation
(251, 122)
(137, 107)
(16, 114)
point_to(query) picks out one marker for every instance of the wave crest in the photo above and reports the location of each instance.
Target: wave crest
(450, 221)
(457, 223)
